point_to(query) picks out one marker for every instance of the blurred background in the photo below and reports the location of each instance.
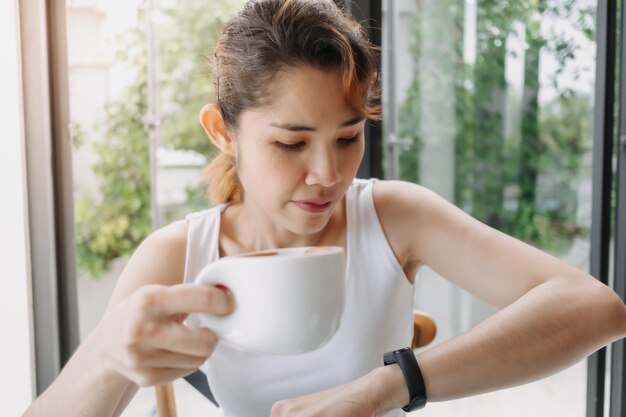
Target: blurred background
(488, 103)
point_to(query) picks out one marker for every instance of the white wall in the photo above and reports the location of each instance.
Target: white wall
(17, 381)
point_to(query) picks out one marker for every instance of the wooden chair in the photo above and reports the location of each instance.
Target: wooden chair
(424, 331)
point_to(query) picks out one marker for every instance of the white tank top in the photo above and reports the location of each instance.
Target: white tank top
(377, 318)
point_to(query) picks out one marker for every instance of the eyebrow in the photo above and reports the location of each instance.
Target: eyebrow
(301, 128)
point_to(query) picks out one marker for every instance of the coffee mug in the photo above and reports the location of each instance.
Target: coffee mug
(287, 300)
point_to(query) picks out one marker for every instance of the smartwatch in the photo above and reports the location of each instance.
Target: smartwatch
(405, 358)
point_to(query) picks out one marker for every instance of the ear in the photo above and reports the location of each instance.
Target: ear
(213, 123)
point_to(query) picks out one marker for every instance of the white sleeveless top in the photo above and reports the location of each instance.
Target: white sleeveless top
(377, 318)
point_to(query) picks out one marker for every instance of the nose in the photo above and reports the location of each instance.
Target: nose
(323, 170)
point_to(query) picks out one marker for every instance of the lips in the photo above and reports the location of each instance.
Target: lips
(314, 205)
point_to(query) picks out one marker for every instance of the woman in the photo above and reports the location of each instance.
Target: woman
(295, 82)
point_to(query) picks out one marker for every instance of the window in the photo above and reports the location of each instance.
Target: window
(490, 104)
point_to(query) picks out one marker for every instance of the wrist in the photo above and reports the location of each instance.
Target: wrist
(95, 350)
(86, 386)
(390, 391)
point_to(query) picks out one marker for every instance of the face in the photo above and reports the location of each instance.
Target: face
(297, 156)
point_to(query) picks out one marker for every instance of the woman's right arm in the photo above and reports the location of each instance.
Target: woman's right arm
(140, 340)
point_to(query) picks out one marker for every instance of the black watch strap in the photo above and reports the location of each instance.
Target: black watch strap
(405, 358)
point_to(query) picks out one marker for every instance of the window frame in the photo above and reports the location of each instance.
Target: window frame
(49, 186)
(17, 387)
(370, 11)
(617, 396)
(602, 183)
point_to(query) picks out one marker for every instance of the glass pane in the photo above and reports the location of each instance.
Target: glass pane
(110, 107)
(185, 38)
(490, 105)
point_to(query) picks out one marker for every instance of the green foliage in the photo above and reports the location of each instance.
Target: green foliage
(187, 39)
(409, 122)
(497, 172)
(112, 222)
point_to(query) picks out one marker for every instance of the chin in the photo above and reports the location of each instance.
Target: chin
(301, 222)
(310, 226)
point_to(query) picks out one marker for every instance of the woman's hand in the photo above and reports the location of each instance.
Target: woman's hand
(143, 339)
(344, 401)
(372, 395)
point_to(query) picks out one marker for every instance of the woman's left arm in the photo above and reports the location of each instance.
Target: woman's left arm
(552, 315)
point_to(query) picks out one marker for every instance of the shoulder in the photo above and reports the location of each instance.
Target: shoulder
(406, 193)
(409, 213)
(397, 201)
(168, 239)
(159, 259)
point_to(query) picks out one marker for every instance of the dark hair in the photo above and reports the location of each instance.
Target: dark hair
(270, 36)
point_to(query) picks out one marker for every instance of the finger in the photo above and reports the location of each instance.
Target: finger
(179, 317)
(147, 376)
(160, 358)
(145, 335)
(157, 376)
(187, 298)
(185, 340)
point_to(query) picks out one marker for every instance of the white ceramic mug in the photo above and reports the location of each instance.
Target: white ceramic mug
(287, 300)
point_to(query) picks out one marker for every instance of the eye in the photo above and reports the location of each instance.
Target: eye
(347, 141)
(290, 146)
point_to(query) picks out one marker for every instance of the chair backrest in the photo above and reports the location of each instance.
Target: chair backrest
(424, 331)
